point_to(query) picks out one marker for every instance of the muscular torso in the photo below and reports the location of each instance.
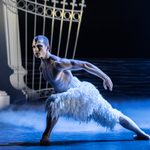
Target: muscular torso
(59, 80)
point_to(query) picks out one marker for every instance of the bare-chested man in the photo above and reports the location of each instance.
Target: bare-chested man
(76, 99)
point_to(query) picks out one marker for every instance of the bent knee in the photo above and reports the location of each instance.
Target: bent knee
(123, 120)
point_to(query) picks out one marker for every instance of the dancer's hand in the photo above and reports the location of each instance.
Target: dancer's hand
(107, 83)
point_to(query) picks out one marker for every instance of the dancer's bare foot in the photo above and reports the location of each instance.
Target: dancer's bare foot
(45, 141)
(141, 137)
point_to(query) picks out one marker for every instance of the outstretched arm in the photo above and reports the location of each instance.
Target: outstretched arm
(71, 64)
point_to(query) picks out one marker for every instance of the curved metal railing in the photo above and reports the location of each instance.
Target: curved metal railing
(59, 20)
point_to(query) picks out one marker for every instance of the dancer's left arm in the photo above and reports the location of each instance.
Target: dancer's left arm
(71, 64)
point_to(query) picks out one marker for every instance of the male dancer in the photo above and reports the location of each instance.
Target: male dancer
(74, 98)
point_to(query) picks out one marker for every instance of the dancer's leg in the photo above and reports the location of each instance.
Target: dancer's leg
(129, 124)
(50, 123)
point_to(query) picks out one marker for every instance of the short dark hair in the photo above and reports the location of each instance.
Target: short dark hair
(42, 39)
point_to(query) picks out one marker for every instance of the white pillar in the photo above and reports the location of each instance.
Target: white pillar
(4, 99)
(13, 44)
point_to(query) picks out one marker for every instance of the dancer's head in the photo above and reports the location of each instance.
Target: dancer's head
(40, 46)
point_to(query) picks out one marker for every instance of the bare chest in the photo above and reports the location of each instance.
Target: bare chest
(48, 70)
(58, 79)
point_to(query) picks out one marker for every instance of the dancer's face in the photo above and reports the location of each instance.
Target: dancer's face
(39, 49)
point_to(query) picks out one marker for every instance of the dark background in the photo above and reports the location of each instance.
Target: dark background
(109, 29)
(115, 29)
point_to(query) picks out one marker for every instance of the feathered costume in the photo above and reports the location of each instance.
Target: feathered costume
(83, 102)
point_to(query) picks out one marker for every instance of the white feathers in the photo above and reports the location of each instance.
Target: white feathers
(82, 102)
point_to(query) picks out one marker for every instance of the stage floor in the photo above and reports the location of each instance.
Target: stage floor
(21, 128)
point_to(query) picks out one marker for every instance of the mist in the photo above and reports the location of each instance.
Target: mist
(34, 117)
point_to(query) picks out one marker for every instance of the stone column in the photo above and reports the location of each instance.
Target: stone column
(4, 99)
(5, 70)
